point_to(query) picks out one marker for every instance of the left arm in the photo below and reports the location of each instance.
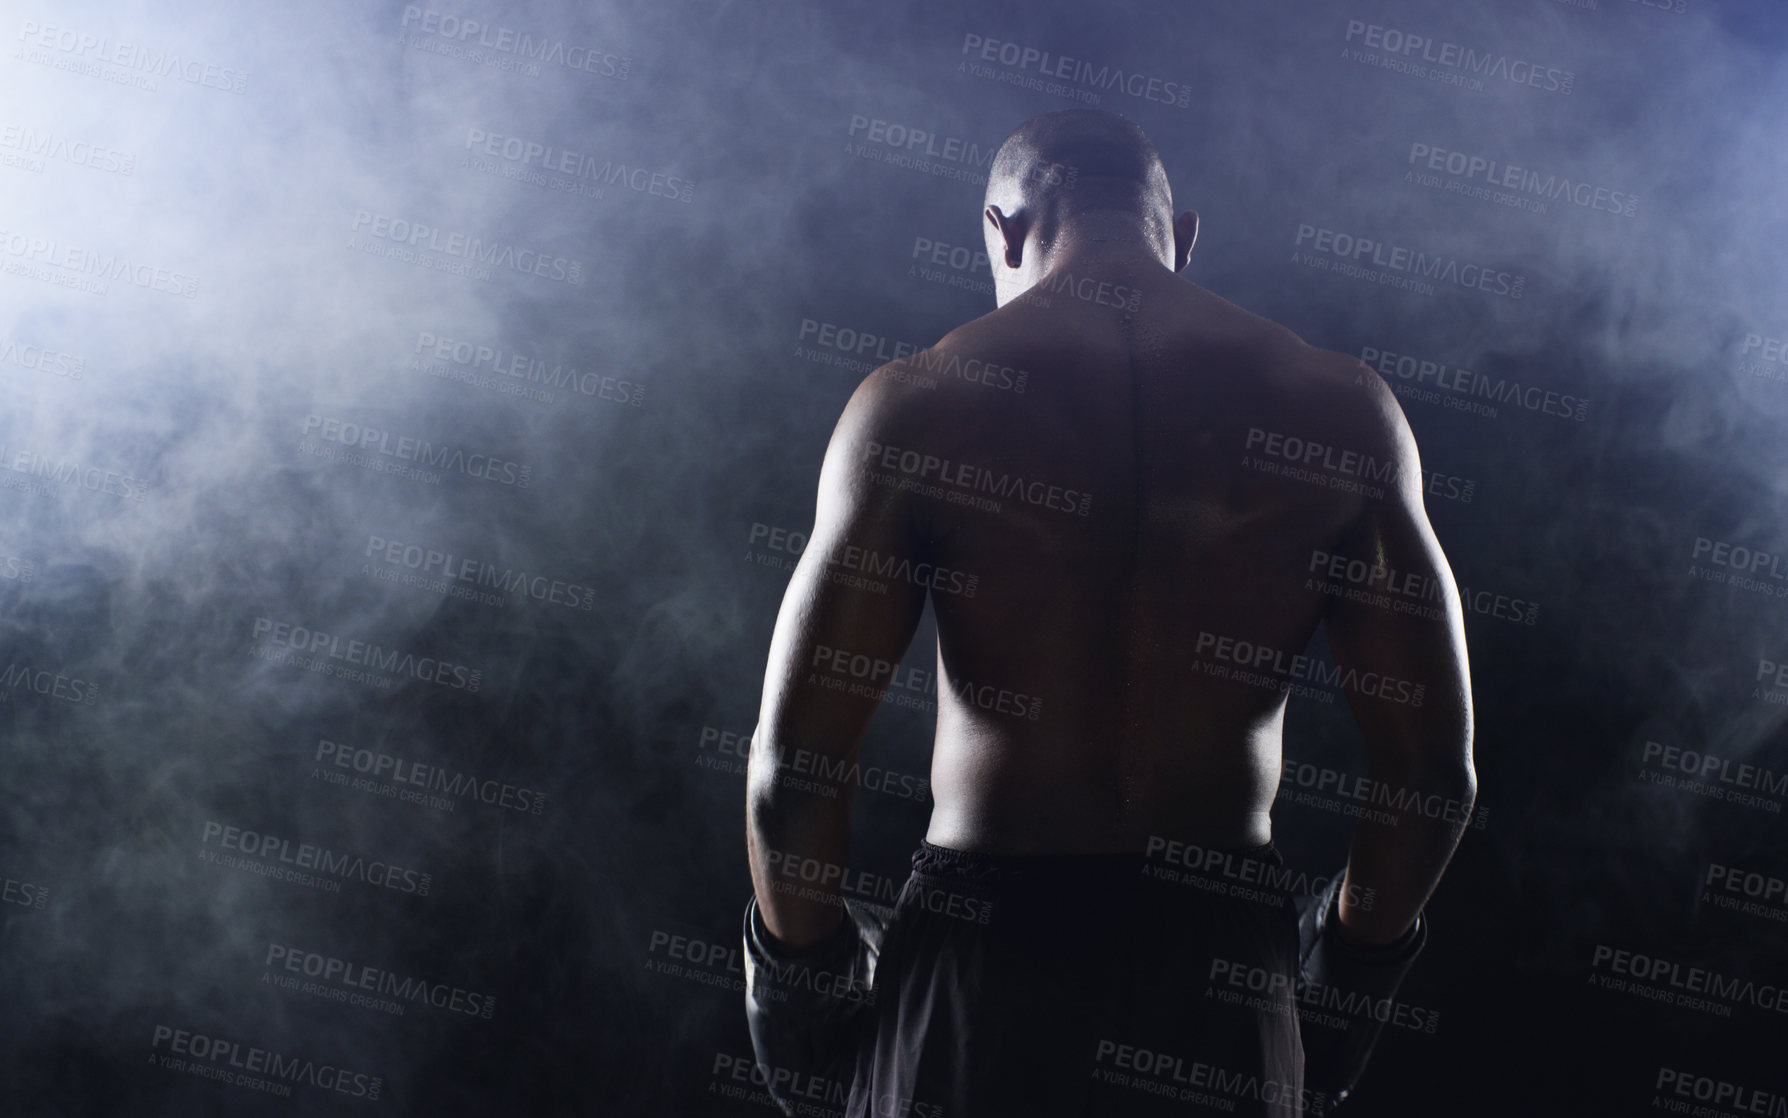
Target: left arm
(826, 633)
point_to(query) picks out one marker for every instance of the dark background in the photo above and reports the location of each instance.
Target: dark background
(142, 593)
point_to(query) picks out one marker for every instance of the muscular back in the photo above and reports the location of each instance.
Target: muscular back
(1141, 520)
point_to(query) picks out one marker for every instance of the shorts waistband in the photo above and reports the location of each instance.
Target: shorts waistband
(945, 862)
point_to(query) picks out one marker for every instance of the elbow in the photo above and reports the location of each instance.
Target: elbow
(1452, 769)
(1466, 788)
(1448, 766)
(1430, 769)
(1457, 779)
(1467, 774)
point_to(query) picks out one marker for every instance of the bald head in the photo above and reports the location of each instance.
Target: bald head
(1073, 182)
(1076, 161)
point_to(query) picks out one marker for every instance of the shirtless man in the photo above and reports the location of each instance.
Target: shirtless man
(1152, 486)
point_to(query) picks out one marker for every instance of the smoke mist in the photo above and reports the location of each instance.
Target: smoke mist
(314, 318)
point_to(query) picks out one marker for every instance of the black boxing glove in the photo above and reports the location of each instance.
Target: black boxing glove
(809, 1009)
(1334, 1058)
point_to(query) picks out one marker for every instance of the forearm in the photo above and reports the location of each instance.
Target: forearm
(798, 841)
(1392, 868)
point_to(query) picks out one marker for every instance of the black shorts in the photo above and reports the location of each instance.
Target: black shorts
(1100, 985)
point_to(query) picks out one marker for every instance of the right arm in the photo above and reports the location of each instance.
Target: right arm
(1417, 752)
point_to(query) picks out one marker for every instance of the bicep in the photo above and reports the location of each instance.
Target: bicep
(848, 614)
(1400, 645)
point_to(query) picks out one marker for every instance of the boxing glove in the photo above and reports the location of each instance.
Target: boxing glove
(1339, 977)
(808, 1010)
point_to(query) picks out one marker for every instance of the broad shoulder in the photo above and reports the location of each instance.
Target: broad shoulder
(1353, 402)
(931, 390)
(897, 404)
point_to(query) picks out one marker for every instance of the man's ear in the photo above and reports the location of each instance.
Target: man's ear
(1011, 231)
(1185, 235)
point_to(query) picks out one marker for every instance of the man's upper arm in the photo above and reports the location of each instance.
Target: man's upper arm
(1414, 636)
(843, 629)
